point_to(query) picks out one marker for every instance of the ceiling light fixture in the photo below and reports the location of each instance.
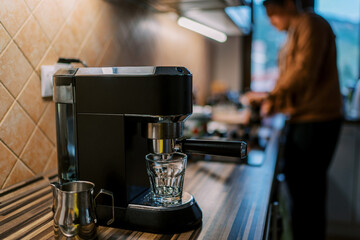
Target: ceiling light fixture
(202, 29)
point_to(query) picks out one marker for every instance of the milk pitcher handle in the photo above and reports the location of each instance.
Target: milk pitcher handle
(112, 198)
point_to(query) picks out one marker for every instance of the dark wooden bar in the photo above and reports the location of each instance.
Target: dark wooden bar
(234, 200)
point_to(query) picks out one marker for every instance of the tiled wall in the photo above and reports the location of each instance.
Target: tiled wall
(37, 32)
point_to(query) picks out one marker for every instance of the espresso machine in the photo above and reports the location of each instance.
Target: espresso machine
(108, 119)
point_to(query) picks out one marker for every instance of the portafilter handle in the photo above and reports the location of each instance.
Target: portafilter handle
(221, 148)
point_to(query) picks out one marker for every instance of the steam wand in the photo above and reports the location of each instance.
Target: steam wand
(211, 147)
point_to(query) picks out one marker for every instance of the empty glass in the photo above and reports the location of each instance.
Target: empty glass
(166, 173)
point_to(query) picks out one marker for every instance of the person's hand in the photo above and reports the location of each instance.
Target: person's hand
(266, 108)
(253, 98)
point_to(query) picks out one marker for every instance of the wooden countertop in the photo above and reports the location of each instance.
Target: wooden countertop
(234, 200)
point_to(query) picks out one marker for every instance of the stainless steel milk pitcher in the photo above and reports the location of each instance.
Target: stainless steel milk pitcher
(74, 209)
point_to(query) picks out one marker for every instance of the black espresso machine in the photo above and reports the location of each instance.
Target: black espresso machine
(108, 119)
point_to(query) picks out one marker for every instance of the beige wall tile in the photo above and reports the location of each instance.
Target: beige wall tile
(47, 122)
(19, 173)
(37, 152)
(13, 14)
(50, 58)
(5, 101)
(111, 56)
(82, 18)
(7, 161)
(66, 44)
(65, 6)
(52, 162)
(30, 98)
(91, 50)
(49, 17)
(104, 27)
(4, 38)
(14, 69)
(32, 41)
(16, 128)
(32, 3)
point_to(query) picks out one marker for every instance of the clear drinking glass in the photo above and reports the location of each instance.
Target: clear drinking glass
(166, 173)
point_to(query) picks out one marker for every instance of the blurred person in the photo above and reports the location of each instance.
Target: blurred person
(307, 90)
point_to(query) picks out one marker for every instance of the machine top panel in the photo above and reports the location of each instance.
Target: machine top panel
(132, 71)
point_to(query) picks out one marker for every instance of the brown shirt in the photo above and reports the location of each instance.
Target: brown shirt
(308, 84)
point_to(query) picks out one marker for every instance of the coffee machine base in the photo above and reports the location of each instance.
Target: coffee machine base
(145, 216)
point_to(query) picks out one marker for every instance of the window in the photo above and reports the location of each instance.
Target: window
(266, 44)
(343, 17)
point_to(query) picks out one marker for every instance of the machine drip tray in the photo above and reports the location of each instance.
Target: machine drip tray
(143, 215)
(147, 203)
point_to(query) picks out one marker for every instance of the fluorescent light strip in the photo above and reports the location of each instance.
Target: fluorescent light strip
(202, 29)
